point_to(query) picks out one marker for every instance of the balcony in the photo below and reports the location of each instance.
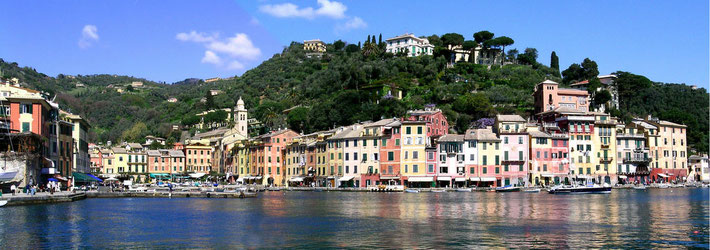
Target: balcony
(606, 160)
(605, 146)
(637, 160)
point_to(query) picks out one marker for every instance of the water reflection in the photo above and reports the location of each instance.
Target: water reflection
(623, 219)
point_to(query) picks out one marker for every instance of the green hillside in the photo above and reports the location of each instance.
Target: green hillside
(346, 85)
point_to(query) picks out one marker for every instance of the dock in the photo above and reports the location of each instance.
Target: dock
(21, 199)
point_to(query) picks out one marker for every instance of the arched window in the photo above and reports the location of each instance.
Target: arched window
(550, 99)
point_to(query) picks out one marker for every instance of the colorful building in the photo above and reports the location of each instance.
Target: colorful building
(390, 153)
(413, 160)
(515, 148)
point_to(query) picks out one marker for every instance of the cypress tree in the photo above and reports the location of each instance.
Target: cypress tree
(555, 62)
(368, 39)
(380, 42)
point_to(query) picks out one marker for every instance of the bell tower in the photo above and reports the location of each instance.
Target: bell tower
(240, 118)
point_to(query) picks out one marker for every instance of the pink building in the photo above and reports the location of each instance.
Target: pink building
(165, 161)
(514, 147)
(549, 96)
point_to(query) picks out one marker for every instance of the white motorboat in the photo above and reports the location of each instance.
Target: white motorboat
(464, 190)
(411, 190)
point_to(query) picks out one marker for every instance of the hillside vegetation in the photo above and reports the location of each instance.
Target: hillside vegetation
(350, 84)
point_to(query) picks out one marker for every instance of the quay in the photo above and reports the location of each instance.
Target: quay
(21, 199)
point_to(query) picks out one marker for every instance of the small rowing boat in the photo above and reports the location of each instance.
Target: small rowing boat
(507, 189)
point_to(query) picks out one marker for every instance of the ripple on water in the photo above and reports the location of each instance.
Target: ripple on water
(623, 219)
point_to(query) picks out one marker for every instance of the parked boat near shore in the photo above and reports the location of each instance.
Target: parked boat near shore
(591, 189)
(411, 190)
(508, 189)
(464, 190)
(533, 190)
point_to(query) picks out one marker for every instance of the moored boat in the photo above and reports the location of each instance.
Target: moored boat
(592, 189)
(411, 190)
(464, 190)
(438, 190)
(508, 189)
(640, 187)
(533, 190)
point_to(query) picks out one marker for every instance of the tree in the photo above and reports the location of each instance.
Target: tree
(380, 39)
(555, 63)
(601, 97)
(136, 133)
(209, 101)
(190, 120)
(501, 42)
(368, 40)
(482, 36)
(529, 57)
(452, 39)
(477, 105)
(512, 55)
(352, 48)
(580, 72)
(338, 45)
(297, 119)
(435, 40)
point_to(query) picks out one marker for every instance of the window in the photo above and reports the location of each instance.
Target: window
(431, 168)
(396, 142)
(415, 155)
(520, 140)
(497, 170)
(409, 130)
(471, 157)
(505, 168)
(419, 130)
(26, 108)
(497, 160)
(390, 156)
(25, 126)
(364, 143)
(505, 155)
(415, 168)
(505, 139)
(485, 170)
(485, 160)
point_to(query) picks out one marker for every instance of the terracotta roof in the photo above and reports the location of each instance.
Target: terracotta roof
(451, 138)
(667, 123)
(119, 150)
(510, 118)
(383, 122)
(539, 134)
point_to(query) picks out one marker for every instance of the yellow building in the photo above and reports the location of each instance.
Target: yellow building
(315, 45)
(604, 148)
(488, 153)
(335, 156)
(120, 162)
(413, 160)
(108, 167)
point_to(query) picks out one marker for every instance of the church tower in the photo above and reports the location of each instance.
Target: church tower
(240, 118)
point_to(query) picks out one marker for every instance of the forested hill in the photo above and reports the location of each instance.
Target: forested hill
(346, 85)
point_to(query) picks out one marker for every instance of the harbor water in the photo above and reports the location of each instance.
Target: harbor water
(652, 218)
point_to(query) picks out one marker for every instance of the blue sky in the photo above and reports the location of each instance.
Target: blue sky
(170, 41)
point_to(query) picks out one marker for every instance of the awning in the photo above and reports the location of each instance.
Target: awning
(258, 177)
(240, 179)
(422, 179)
(663, 175)
(346, 178)
(443, 178)
(94, 177)
(460, 179)
(488, 179)
(622, 176)
(581, 176)
(389, 177)
(296, 179)
(158, 175)
(61, 178)
(197, 175)
(80, 177)
(52, 179)
(547, 175)
(475, 179)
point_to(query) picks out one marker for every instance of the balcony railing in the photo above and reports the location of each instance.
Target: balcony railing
(606, 160)
(637, 160)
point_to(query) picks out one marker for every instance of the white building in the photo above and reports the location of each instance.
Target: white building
(699, 170)
(412, 45)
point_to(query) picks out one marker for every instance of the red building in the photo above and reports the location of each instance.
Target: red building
(437, 125)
